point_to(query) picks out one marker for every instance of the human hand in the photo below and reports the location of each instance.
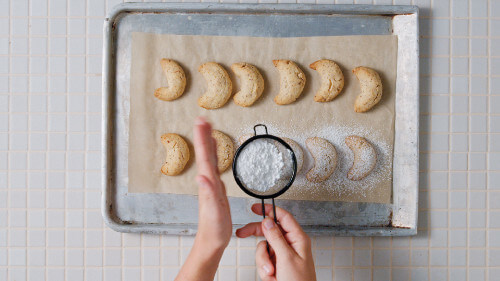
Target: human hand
(214, 223)
(291, 256)
(214, 220)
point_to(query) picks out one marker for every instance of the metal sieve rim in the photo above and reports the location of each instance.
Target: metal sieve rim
(280, 191)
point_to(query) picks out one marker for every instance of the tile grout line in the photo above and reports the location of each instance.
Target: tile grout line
(141, 240)
(47, 45)
(469, 128)
(487, 158)
(429, 217)
(410, 249)
(468, 192)
(391, 259)
(372, 258)
(237, 258)
(352, 259)
(9, 178)
(179, 252)
(66, 168)
(332, 240)
(85, 157)
(450, 51)
(161, 259)
(28, 155)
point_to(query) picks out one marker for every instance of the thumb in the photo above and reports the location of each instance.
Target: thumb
(275, 238)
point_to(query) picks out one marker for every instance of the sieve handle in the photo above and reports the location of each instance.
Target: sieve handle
(264, 215)
(274, 212)
(259, 125)
(274, 216)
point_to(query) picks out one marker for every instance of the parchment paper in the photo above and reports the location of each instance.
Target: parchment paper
(150, 117)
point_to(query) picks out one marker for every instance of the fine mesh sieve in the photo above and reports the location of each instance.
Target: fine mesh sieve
(287, 171)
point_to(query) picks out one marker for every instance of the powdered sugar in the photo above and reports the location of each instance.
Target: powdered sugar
(365, 157)
(338, 182)
(325, 158)
(260, 165)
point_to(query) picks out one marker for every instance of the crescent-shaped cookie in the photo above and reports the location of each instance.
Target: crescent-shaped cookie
(225, 150)
(332, 80)
(297, 150)
(365, 157)
(325, 159)
(177, 154)
(371, 88)
(219, 86)
(176, 80)
(252, 84)
(292, 81)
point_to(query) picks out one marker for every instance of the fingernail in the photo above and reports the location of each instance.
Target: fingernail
(266, 268)
(268, 224)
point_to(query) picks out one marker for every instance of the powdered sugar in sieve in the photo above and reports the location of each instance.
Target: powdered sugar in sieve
(260, 165)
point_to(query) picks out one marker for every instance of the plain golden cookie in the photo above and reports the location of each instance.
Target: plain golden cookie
(176, 80)
(371, 88)
(225, 150)
(219, 86)
(292, 81)
(365, 157)
(177, 154)
(252, 84)
(332, 80)
(325, 159)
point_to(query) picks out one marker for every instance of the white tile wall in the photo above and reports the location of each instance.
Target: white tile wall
(50, 223)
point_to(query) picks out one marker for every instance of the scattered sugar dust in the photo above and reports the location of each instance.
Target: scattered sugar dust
(338, 181)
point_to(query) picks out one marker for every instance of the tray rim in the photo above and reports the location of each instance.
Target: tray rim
(108, 88)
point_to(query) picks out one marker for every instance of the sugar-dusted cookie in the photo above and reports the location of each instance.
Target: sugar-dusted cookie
(252, 83)
(297, 150)
(177, 154)
(225, 150)
(365, 157)
(219, 86)
(176, 80)
(371, 88)
(325, 159)
(332, 80)
(292, 81)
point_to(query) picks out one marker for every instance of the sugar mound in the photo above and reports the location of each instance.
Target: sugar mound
(260, 165)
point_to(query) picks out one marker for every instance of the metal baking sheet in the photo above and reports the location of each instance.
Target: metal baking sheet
(177, 214)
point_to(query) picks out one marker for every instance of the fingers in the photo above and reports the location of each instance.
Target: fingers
(294, 233)
(251, 229)
(263, 261)
(206, 159)
(275, 238)
(286, 220)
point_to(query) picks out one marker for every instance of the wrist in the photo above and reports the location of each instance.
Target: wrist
(202, 262)
(207, 250)
(213, 242)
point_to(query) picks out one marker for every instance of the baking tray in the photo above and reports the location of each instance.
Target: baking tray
(177, 214)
